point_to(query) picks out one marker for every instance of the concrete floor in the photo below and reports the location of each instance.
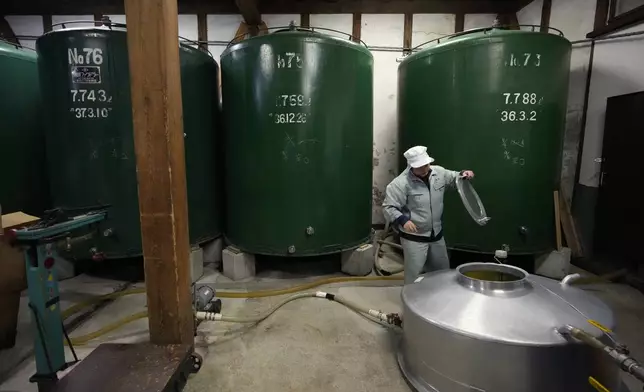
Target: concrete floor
(310, 344)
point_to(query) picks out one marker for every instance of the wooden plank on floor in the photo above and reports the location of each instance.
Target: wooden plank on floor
(569, 228)
(557, 220)
(155, 81)
(128, 367)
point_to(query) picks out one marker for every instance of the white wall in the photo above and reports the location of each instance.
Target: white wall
(618, 68)
(627, 5)
(339, 22)
(221, 28)
(384, 30)
(427, 27)
(531, 13)
(473, 21)
(575, 18)
(28, 25)
(280, 20)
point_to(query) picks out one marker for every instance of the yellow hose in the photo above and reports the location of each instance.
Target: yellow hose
(80, 340)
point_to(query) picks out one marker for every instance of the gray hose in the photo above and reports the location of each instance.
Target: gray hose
(211, 316)
(382, 241)
(373, 315)
(392, 244)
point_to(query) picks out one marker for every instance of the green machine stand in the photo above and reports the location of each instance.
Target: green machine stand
(110, 367)
(41, 244)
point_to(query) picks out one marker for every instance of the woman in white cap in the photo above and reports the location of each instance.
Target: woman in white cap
(414, 206)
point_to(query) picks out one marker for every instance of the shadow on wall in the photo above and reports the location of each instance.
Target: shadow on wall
(385, 166)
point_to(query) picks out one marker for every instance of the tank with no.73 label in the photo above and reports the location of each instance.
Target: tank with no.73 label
(492, 100)
(298, 112)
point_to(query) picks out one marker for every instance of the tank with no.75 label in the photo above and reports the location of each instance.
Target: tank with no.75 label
(297, 106)
(492, 100)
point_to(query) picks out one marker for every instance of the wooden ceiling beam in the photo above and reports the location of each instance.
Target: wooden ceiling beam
(83, 7)
(249, 10)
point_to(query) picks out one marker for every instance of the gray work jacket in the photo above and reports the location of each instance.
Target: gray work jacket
(408, 195)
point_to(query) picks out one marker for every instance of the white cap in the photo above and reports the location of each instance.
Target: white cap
(417, 156)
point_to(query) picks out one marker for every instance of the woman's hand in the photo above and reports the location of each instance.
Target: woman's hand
(410, 227)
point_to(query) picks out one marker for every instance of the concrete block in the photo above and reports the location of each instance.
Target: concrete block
(237, 264)
(359, 261)
(212, 251)
(555, 265)
(196, 263)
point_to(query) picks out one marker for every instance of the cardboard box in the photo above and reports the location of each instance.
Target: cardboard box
(12, 279)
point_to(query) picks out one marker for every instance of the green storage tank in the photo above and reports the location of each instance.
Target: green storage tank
(23, 184)
(298, 109)
(90, 146)
(492, 100)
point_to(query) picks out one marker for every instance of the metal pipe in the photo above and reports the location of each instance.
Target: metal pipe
(619, 355)
(569, 279)
(606, 38)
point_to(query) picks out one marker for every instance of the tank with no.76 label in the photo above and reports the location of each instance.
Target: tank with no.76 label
(85, 82)
(298, 112)
(492, 100)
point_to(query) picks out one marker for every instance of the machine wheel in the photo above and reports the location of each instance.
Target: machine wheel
(196, 362)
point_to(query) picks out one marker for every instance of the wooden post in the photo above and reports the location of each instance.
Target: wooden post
(357, 27)
(202, 30)
(601, 13)
(305, 20)
(545, 15)
(46, 23)
(98, 17)
(407, 30)
(459, 22)
(557, 220)
(155, 81)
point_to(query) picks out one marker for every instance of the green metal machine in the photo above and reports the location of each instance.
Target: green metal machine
(298, 111)
(492, 100)
(90, 148)
(22, 159)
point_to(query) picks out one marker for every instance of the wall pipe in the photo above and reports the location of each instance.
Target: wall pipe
(399, 48)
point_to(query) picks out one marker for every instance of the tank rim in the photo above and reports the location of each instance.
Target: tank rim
(476, 38)
(184, 43)
(314, 37)
(485, 285)
(17, 51)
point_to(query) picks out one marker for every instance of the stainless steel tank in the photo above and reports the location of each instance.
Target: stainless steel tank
(492, 327)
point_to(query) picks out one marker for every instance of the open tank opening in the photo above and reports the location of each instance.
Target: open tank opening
(489, 272)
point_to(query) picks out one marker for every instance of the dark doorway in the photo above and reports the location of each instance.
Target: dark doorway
(620, 206)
